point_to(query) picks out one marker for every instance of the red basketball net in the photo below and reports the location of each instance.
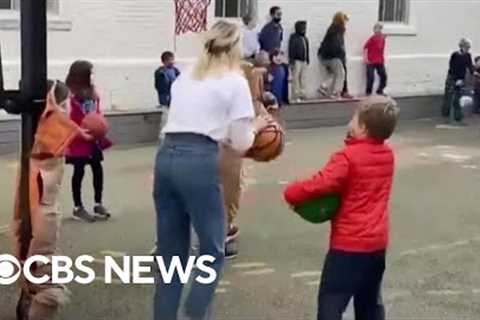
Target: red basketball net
(190, 15)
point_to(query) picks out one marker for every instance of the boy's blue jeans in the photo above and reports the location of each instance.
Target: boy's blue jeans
(348, 275)
(187, 192)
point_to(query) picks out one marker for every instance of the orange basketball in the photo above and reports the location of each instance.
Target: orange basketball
(96, 124)
(268, 144)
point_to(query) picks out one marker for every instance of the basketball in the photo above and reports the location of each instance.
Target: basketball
(466, 102)
(96, 125)
(319, 210)
(268, 144)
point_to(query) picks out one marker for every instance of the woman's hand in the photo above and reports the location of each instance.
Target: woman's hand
(85, 134)
(261, 122)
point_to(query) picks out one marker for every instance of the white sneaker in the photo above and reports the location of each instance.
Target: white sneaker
(323, 90)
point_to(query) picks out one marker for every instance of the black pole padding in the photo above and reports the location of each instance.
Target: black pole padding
(33, 89)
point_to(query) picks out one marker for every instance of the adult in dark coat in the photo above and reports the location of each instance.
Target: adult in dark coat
(271, 36)
(332, 55)
(299, 58)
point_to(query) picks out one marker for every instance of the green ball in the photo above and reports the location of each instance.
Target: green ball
(319, 210)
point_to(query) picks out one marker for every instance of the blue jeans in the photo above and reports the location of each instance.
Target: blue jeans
(348, 275)
(187, 193)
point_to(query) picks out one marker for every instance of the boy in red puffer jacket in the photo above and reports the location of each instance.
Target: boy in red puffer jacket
(361, 173)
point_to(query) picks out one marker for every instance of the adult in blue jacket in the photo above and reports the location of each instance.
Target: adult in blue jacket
(271, 35)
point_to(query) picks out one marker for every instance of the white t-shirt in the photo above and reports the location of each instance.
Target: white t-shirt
(219, 107)
(251, 46)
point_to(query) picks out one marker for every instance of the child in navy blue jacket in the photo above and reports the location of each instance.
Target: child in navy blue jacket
(278, 77)
(164, 78)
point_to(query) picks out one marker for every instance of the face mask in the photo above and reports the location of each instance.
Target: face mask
(277, 19)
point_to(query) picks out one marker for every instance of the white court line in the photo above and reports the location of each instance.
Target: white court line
(4, 229)
(313, 283)
(102, 280)
(259, 272)
(224, 283)
(471, 166)
(449, 127)
(443, 147)
(221, 290)
(476, 291)
(12, 165)
(99, 261)
(114, 254)
(438, 247)
(400, 294)
(306, 274)
(283, 182)
(444, 292)
(249, 265)
(250, 182)
(456, 157)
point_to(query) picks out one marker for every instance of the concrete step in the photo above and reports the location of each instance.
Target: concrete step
(317, 113)
(142, 126)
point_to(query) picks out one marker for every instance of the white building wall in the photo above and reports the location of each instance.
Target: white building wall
(124, 38)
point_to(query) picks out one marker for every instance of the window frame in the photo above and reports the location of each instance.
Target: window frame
(399, 28)
(58, 20)
(15, 6)
(406, 14)
(251, 7)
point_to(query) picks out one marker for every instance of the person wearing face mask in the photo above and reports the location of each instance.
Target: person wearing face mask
(460, 63)
(271, 36)
(299, 58)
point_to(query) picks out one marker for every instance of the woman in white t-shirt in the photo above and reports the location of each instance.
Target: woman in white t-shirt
(210, 104)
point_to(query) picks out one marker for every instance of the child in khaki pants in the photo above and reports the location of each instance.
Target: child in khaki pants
(231, 163)
(42, 302)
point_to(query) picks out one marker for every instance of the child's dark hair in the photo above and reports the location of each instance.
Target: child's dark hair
(246, 19)
(379, 115)
(167, 55)
(61, 90)
(273, 53)
(79, 79)
(274, 10)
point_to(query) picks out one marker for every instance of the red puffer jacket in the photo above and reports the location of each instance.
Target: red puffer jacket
(362, 174)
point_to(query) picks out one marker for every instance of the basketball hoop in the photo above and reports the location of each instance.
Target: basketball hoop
(190, 16)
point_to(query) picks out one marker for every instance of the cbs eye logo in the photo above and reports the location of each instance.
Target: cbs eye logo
(10, 269)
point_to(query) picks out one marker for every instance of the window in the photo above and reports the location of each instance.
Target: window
(393, 11)
(52, 5)
(234, 8)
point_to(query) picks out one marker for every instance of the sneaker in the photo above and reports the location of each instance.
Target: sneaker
(80, 213)
(335, 96)
(323, 90)
(230, 252)
(232, 234)
(347, 96)
(101, 212)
